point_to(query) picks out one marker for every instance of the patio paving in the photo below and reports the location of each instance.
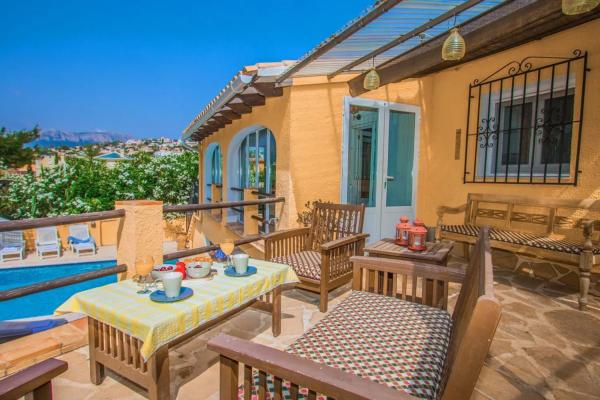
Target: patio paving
(544, 348)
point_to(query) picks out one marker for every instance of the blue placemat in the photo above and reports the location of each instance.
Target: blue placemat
(230, 271)
(160, 297)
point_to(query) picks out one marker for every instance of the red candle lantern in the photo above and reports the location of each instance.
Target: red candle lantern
(402, 230)
(416, 236)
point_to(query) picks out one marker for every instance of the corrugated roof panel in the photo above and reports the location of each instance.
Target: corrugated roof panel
(399, 20)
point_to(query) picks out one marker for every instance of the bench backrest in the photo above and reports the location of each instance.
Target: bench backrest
(333, 221)
(475, 318)
(537, 215)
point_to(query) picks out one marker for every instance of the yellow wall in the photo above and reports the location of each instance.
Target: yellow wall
(307, 124)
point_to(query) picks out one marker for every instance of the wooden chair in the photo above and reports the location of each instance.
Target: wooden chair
(320, 254)
(451, 350)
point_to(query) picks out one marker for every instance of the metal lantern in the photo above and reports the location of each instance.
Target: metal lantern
(372, 80)
(454, 47)
(402, 230)
(574, 7)
(416, 236)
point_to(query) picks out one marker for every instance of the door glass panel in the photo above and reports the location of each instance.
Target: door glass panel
(401, 146)
(362, 156)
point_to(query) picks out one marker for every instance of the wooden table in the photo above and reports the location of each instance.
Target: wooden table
(436, 253)
(112, 348)
(131, 335)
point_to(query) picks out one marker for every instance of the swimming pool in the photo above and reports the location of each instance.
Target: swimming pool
(44, 303)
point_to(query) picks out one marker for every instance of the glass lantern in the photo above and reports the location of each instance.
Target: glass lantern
(416, 236)
(402, 229)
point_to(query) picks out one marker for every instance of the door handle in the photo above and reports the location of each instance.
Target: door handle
(389, 178)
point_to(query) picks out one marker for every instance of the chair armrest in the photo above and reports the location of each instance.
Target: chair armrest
(411, 268)
(31, 378)
(343, 241)
(588, 230)
(320, 378)
(285, 242)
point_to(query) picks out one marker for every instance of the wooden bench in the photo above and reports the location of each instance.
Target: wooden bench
(564, 231)
(33, 382)
(381, 342)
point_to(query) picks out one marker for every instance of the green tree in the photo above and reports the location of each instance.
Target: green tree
(13, 153)
(90, 151)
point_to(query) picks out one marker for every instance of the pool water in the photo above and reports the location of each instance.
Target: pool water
(44, 303)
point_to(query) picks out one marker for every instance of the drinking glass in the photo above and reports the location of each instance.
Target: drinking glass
(227, 247)
(143, 267)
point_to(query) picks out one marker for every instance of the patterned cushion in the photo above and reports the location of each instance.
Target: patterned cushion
(304, 263)
(526, 239)
(388, 340)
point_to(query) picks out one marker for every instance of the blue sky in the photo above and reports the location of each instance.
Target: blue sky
(143, 67)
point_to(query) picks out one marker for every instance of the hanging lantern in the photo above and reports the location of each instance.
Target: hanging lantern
(574, 7)
(454, 47)
(416, 236)
(402, 230)
(371, 81)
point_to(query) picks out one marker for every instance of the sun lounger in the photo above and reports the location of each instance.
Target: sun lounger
(12, 246)
(10, 330)
(80, 241)
(47, 243)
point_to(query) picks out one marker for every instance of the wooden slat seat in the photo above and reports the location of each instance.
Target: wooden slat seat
(523, 239)
(559, 230)
(377, 343)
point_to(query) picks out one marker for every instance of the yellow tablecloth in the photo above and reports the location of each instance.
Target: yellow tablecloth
(156, 324)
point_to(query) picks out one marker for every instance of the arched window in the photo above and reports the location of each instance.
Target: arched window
(213, 168)
(253, 165)
(257, 155)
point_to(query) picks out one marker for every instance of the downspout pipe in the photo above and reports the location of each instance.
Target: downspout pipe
(236, 86)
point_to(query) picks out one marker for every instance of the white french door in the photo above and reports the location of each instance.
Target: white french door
(379, 162)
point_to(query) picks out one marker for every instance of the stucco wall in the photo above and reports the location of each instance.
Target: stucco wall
(307, 124)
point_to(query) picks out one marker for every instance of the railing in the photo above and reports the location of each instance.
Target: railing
(213, 206)
(33, 382)
(202, 207)
(60, 282)
(96, 216)
(23, 224)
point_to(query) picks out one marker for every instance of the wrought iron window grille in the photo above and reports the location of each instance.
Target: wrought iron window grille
(524, 122)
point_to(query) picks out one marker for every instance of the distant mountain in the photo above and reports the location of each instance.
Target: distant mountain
(57, 138)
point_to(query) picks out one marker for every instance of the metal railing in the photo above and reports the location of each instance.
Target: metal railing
(23, 224)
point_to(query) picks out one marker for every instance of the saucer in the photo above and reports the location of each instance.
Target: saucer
(230, 271)
(160, 297)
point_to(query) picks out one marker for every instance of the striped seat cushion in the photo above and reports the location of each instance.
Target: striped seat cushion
(526, 239)
(305, 263)
(390, 341)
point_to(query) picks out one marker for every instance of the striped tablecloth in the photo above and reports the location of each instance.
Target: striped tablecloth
(157, 324)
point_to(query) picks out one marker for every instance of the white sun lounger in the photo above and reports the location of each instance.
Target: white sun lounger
(12, 246)
(47, 243)
(80, 241)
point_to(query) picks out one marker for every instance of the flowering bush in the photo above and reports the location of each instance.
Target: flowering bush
(87, 185)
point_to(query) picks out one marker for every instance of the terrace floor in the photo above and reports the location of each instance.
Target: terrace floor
(544, 348)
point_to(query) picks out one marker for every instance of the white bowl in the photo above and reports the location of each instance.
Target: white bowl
(157, 273)
(197, 270)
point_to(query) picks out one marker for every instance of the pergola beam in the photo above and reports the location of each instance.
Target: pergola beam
(268, 89)
(229, 113)
(252, 97)
(517, 22)
(403, 38)
(375, 13)
(238, 106)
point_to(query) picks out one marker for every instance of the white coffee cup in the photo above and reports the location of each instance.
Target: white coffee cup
(240, 262)
(171, 282)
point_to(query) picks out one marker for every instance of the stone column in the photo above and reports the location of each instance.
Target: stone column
(141, 233)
